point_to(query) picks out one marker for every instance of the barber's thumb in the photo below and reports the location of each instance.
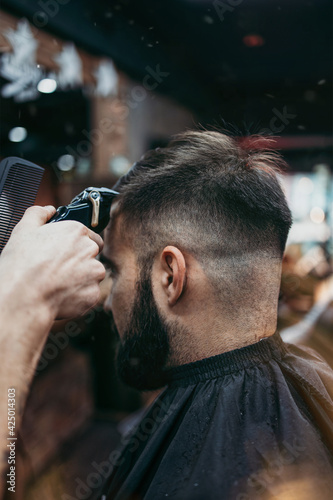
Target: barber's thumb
(37, 216)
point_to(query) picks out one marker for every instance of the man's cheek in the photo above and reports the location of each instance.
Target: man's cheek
(121, 315)
(117, 322)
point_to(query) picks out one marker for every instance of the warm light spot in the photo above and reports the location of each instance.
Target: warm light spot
(317, 215)
(253, 40)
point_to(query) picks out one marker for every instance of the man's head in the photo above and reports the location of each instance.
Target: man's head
(207, 221)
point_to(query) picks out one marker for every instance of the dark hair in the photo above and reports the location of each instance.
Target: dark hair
(206, 194)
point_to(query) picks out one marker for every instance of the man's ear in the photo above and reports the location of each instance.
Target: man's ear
(173, 277)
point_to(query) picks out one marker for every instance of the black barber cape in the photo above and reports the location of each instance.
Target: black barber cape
(250, 424)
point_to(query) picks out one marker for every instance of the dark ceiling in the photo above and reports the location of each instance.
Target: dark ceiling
(231, 61)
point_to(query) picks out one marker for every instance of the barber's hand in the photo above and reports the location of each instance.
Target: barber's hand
(54, 263)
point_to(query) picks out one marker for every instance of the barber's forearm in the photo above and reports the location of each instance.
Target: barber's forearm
(19, 358)
(17, 350)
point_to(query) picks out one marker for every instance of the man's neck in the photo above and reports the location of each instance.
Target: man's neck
(212, 337)
(210, 321)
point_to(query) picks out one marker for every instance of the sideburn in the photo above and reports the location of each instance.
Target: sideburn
(142, 357)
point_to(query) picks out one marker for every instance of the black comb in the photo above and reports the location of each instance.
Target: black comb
(19, 183)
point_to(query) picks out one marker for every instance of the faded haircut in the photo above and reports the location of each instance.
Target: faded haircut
(208, 195)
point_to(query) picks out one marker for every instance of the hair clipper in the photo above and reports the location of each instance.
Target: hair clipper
(19, 183)
(91, 208)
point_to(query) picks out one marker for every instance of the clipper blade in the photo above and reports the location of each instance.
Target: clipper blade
(19, 183)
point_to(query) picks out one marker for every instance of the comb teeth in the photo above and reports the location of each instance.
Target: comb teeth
(18, 193)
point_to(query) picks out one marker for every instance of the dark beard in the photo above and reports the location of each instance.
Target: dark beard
(143, 353)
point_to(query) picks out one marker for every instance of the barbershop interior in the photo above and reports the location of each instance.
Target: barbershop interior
(86, 88)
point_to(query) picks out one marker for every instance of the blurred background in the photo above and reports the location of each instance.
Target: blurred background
(86, 88)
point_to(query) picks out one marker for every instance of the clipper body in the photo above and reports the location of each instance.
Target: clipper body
(91, 208)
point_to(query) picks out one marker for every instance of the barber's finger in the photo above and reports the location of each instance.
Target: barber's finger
(36, 216)
(97, 239)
